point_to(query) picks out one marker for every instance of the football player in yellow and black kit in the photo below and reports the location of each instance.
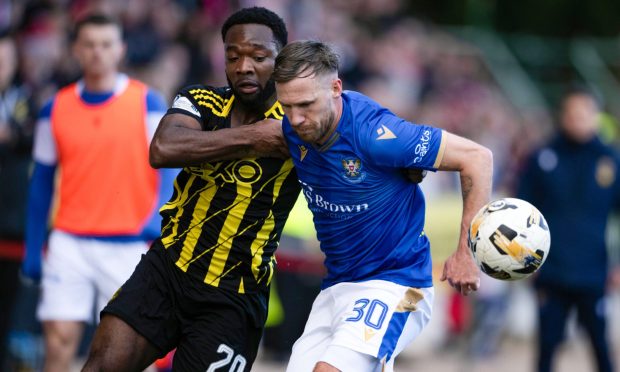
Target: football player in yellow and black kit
(203, 285)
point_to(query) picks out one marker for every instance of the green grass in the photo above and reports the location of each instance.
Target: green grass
(443, 220)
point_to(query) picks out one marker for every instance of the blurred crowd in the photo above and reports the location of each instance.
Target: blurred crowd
(419, 70)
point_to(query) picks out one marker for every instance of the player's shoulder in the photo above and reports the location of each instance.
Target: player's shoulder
(46, 110)
(199, 92)
(363, 107)
(155, 101)
(358, 100)
(208, 100)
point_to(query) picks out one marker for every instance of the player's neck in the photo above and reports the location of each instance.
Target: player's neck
(100, 83)
(243, 114)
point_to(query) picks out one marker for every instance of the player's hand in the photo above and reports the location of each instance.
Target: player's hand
(269, 140)
(614, 278)
(31, 266)
(461, 272)
(414, 175)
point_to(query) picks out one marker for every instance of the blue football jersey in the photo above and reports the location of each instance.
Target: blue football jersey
(368, 216)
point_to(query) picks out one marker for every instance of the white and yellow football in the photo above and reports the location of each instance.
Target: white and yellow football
(509, 239)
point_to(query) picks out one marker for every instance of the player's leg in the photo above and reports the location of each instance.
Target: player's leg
(324, 367)
(221, 330)
(377, 319)
(363, 327)
(138, 325)
(347, 360)
(62, 339)
(316, 336)
(553, 309)
(66, 300)
(591, 314)
(118, 347)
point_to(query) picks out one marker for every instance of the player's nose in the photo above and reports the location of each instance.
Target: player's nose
(245, 66)
(296, 119)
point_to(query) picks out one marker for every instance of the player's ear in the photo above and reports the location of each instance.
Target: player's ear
(336, 88)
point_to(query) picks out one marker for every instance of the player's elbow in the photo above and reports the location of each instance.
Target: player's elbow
(483, 157)
(157, 155)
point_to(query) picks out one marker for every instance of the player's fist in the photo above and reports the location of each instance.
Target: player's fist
(31, 266)
(268, 139)
(414, 175)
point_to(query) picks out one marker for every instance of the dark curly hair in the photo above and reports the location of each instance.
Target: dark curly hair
(261, 16)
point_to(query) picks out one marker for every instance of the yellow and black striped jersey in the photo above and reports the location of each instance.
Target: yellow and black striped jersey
(224, 220)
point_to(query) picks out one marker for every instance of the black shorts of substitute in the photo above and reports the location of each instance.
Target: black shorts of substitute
(207, 326)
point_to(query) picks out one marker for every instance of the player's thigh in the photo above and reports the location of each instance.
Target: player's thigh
(222, 340)
(591, 313)
(116, 346)
(67, 292)
(553, 310)
(147, 302)
(339, 358)
(316, 336)
(380, 318)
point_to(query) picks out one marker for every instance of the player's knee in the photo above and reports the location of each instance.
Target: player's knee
(62, 335)
(325, 367)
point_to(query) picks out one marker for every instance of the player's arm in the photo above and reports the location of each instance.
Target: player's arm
(474, 163)
(180, 141)
(40, 194)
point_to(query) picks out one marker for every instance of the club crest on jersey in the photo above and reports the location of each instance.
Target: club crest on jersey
(353, 170)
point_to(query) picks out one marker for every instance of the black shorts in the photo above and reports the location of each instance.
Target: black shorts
(207, 325)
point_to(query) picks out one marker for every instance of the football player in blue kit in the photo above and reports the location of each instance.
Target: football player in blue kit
(349, 152)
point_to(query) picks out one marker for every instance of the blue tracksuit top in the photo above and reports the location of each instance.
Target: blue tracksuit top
(576, 187)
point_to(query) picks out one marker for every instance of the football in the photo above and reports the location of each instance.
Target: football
(509, 239)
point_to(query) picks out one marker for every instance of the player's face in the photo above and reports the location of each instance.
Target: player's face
(580, 117)
(99, 49)
(311, 105)
(250, 56)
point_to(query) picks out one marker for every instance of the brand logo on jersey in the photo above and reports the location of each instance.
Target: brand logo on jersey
(303, 151)
(368, 333)
(353, 170)
(385, 133)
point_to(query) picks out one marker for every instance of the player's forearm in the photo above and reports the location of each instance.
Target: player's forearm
(180, 146)
(476, 186)
(179, 141)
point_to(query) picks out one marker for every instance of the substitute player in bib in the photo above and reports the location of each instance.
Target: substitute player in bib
(348, 152)
(95, 135)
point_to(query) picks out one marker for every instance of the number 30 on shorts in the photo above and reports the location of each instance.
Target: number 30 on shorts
(372, 311)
